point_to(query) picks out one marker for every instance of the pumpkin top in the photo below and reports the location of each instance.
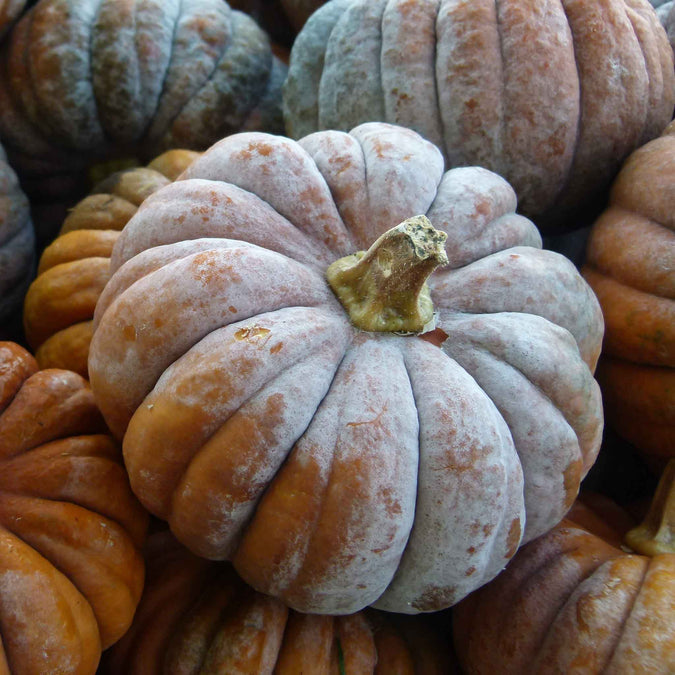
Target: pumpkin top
(384, 289)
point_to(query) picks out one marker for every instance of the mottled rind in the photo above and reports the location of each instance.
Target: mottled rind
(71, 572)
(520, 88)
(337, 467)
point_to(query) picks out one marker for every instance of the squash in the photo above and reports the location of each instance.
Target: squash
(630, 264)
(573, 601)
(17, 241)
(551, 95)
(339, 466)
(73, 269)
(71, 569)
(128, 79)
(197, 616)
(9, 11)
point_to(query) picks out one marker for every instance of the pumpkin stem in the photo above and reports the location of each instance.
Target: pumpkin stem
(656, 534)
(384, 288)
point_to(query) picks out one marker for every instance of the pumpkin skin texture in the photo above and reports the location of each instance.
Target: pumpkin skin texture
(74, 268)
(335, 467)
(17, 241)
(577, 599)
(71, 571)
(517, 87)
(630, 264)
(114, 79)
(196, 616)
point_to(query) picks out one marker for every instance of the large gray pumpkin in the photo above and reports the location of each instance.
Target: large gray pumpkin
(551, 95)
(335, 465)
(83, 81)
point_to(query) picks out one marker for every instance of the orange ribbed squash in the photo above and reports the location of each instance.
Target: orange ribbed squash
(197, 616)
(71, 569)
(630, 264)
(74, 268)
(589, 596)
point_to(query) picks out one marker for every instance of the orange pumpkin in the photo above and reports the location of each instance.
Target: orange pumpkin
(73, 269)
(71, 571)
(630, 264)
(197, 616)
(573, 601)
(553, 95)
(339, 466)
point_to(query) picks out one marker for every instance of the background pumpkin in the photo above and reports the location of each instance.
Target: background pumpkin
(224, 360)
(9, 11)
(197, 616)
(630, 264)
(17, 242)
(110, 79)
(571, 600)
(551, 95)
(71, 571)
(74, 268)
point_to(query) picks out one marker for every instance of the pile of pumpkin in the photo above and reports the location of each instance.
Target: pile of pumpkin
(337, 337)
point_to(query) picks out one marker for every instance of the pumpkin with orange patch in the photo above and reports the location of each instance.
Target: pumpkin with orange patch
(344, 368)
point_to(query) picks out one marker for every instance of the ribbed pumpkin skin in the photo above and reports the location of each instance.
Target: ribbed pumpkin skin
(71, 571)
(630, 264)
(522, 88)
(17, 241)
(336, 467)
(110, 78)
(198, 617)
(571, 602)
(74, 268)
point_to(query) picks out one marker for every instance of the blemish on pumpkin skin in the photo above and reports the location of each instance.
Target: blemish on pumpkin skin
(470, 571)
(253, 334)
(232, 309)
(513, 539)
(129, 333)
(277, 348)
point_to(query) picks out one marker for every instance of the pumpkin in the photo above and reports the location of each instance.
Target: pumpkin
(197, 616)
(333, 454)
(73, 269)
(573, 601)
(9, 11)
(551, 95)
(17, 241)
(71, 569)
(131, 79)
(630, 264)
